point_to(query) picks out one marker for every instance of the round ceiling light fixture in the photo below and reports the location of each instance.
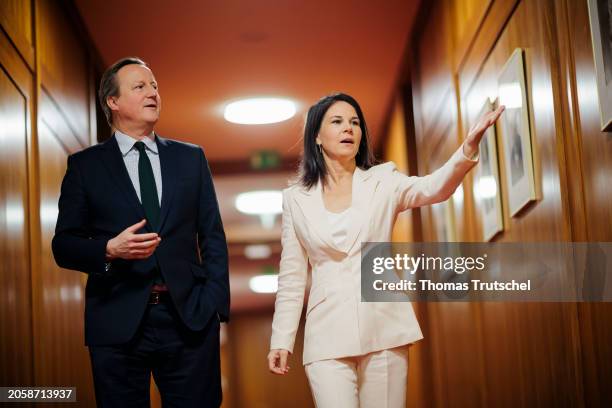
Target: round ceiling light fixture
(257, 251)
(264, 283)
(259, 111)
(260, 202)
(264, 203)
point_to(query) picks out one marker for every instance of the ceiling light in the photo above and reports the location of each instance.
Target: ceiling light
(264, 203)
(261, 251)
(264, 283)
(259, 111)
(260, 202)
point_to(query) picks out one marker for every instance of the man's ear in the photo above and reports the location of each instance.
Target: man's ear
(111, 102)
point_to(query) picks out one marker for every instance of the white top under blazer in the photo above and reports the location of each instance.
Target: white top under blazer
(338, 225)
(338, 324)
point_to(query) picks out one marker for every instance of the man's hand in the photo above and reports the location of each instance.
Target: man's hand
(277, 361)
(472, 141)
(130, 245)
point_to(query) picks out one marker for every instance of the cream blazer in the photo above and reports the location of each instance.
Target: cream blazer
(338, 324)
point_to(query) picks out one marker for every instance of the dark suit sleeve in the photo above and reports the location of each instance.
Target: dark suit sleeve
(73, 246)
(212, 243)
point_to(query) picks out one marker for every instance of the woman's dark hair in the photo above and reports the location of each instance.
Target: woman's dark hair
(312, 167)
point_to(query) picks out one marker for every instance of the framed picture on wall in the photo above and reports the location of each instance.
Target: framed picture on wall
(486, 187)
(600, 19)
(516, 133)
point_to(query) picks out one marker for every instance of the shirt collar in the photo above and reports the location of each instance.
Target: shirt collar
(126, 143)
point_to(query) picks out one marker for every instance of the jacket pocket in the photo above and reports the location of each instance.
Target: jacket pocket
(316, 296)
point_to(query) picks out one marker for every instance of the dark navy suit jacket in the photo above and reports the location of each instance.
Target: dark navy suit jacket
(98, 201)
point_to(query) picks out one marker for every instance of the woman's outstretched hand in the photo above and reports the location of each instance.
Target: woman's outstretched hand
(277, 361)
(472, 141)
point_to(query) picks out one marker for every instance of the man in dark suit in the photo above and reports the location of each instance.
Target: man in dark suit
(138, 214)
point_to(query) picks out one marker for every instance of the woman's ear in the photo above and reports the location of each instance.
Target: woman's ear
(318, 140)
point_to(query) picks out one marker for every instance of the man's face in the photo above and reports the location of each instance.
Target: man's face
(138, 102)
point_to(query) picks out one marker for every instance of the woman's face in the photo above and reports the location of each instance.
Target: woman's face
(340, 133)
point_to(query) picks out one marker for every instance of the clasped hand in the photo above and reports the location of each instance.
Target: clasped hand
(131, 245)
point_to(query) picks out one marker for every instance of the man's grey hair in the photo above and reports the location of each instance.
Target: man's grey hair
(110, 87)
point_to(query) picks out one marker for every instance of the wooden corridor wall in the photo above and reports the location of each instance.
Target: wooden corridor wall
(511, 354)
(47, 111)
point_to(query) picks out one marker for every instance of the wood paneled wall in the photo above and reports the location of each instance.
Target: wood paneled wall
(506, 354)
(17, 20)
(47, 111)
(16, 105)
(251, 384)
(398, 153)
(588, 154)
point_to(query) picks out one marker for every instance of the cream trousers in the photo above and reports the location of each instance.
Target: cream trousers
(374, 380)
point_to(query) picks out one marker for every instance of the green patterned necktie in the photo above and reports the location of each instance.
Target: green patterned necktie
(148, 189)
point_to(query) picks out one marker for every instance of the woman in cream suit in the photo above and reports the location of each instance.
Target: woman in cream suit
(355, 353)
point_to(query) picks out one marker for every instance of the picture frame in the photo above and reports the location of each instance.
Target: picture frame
(600, 21)
(487, 188)
(515, 132)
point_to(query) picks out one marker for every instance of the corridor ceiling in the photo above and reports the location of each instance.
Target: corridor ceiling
(207, 53)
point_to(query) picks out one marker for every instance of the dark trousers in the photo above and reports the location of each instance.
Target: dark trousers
(185, 364)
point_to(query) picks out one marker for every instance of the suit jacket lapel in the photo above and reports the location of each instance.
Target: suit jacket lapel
(364, 188)
(169, 169)
(311, 204)
(116, 166)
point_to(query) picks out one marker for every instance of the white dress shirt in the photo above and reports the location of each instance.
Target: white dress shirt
(130, 158)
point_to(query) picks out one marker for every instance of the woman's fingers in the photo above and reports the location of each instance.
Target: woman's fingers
(283, 361)
(488, 120)
(497, 113)
(272, 363)
(277, 361)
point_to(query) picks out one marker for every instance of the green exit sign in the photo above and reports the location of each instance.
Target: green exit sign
(265, 159)
(269, 270)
